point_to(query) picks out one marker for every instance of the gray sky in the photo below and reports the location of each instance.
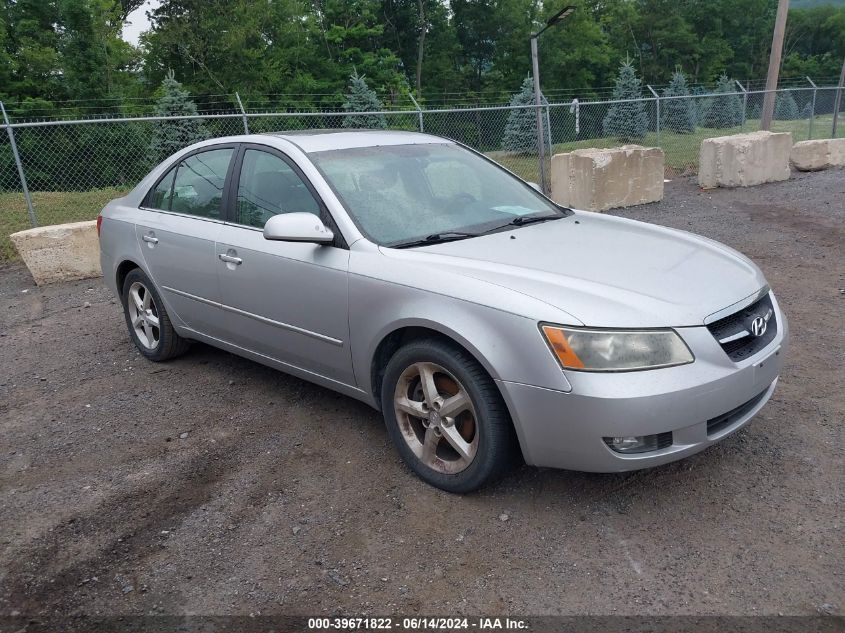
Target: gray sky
(137, 22)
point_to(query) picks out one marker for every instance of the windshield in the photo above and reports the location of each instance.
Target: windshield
(404, 193)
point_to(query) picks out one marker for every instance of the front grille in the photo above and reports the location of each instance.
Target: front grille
(717, 424)
(734, 332)
(664, 440)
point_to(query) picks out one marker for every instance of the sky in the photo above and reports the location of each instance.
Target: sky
(137, 22)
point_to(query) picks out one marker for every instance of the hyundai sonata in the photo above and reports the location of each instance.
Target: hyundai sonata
(486, 322)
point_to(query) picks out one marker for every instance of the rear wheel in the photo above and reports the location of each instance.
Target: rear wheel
(148, 322)
(446, 416)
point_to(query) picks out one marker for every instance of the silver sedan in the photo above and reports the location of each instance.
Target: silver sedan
(487, 323)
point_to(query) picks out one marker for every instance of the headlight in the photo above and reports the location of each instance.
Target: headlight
(616, 350)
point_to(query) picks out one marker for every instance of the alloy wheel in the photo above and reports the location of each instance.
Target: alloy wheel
(143, 315)
(436, 417)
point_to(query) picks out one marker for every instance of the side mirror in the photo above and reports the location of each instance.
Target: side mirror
(297, 227)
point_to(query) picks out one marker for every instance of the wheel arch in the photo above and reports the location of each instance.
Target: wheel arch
(402, 333)
(122, 270)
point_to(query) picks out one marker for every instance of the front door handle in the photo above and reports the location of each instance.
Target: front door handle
(150, 239)
(229, 259)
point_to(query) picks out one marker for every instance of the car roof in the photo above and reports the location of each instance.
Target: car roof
(321, 140)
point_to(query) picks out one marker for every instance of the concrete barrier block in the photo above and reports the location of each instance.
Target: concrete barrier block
(601, 179)
(811, 155)
(744, 160)
(560, 179)
(818, 154)
(60, 253)
(836, 152)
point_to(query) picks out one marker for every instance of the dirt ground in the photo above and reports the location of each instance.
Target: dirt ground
(213, 485)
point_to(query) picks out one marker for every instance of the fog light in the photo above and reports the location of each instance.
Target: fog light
(639, 443)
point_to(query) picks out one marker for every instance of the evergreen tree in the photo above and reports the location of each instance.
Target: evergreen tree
(724, 111)
(362, 99)
(785, 107)
(171, 136)
(678, 113)
(627, 121)
(521, 129)
(700, 104)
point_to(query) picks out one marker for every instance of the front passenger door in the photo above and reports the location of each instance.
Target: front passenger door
(287, 300)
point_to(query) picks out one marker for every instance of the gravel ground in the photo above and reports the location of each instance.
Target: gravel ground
(213, 485)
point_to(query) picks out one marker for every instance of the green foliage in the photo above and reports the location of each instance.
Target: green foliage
(626, 121)
(521, 129)
(678, 113)
(299, 54)
(724, 111)
(171, 136)
(361, 99)
(785, 107)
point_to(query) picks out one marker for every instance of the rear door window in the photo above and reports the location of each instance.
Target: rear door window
(195, 185)
(198, 186)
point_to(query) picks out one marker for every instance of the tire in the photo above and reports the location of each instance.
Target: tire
(154, 335)
(426, 428)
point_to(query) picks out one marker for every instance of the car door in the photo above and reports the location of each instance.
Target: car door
(287, 300)
(184, 215)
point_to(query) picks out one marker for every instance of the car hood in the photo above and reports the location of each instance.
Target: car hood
(603, 270)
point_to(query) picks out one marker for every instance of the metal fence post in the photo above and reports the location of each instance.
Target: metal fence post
(813, 108)
(837, 100)
(241, 106)
(744, 105)
(538, 105)
(32, 219)
(657, 100)
(419, 111)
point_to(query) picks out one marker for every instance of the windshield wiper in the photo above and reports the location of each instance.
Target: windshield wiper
(437, 238)
(451, 236)
(521, 221)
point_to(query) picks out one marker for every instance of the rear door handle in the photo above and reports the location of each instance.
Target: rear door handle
(229, 259)
(150, 239)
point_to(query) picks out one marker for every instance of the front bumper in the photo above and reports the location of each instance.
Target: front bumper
(565, 429)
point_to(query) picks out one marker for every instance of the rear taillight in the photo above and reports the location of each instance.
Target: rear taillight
(99, 224)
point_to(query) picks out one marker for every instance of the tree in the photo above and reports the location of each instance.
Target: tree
(171, 136)
(678, 113)
(785, 107)
(626, 121)
(521, 129)
(724, 111)
(361, 99)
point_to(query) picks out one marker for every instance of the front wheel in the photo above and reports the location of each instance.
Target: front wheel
(446, 416)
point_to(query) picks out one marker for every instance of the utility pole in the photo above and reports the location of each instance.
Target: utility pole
(774, 65)
(838, 101)
(535, 71)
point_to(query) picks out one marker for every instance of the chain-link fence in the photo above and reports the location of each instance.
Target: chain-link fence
(67, 170)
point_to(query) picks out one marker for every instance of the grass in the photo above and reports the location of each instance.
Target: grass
(51, 207)
(55, 207)
(681, 150)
